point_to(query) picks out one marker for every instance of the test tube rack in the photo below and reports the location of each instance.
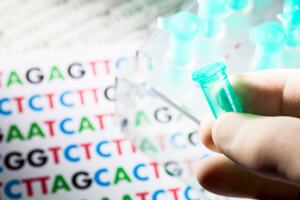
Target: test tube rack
(159, 81)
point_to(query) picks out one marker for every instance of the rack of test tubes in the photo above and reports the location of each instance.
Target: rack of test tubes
(157, 96)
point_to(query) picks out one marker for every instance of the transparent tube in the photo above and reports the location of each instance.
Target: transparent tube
(217, 89)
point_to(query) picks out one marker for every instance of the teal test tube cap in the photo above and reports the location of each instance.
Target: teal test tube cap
(238, 4)
(211, 8)
(217, 89)
(184, 27)
(270, 36)
(291, 6)
(212, 12)
(269, 39)
(291, 20)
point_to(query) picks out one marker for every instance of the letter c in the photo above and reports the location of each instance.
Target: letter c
(156, 193)
(63, 127)
(97, 178)
(119, 61)
(67, 153)
(31, 103)
(2, 111)
(187, 194)
(174, 140)
(8, 189)
(63, 100)
(98, 149)
(136, 173)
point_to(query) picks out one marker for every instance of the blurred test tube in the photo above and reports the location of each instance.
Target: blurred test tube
(184, 27)
(269, 39)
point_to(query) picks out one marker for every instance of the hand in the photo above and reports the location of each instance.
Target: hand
(262, 149)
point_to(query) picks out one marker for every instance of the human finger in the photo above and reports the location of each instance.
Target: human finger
(221, 176)
(268, 146)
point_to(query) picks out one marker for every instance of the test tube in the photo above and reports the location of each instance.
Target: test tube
(238, 4)
(184, 27)
(290, 18)
(217, 89)
(291, 6)
(269, 39)
(212, 13)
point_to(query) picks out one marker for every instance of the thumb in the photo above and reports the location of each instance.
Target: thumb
(268, 146)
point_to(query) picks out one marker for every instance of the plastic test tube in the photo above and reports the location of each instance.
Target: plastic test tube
(184, 27)
(217, 89)
(291, 6)
(238, 4)
(291, 21)
(212, 12)
(269, 39)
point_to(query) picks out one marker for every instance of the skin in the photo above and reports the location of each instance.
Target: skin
(259, 150)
